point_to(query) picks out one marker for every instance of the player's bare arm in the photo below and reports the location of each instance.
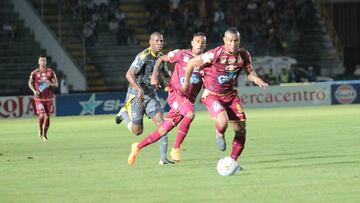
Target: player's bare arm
(252, 76)
(196, 61)
(131, 77)
(154, 77)
(31, 86)
(53, 82)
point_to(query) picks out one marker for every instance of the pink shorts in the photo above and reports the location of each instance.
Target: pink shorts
(229, 103)
(179, 107)
(46, 106)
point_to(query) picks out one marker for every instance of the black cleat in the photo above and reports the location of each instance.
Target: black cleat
(165, 162)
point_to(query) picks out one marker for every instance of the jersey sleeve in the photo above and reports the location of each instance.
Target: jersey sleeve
(174, 55)
(209, 56)
(32, 75)
(245, 55)
(138, 63)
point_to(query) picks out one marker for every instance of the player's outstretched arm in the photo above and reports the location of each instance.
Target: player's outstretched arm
(252, 76)
(192, 63)
(154, 76)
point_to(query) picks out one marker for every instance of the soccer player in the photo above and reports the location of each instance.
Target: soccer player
(141, 96)
(181, 103)
(222, 66)
(42, 82)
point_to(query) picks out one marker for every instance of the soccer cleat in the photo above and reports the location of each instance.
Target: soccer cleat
(134, 152)
(165, 162)
(220, 142)
(118, 117)
(175, 154)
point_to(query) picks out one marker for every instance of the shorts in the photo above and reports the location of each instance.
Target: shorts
(44, 106)
(150, 107)
(229, 103)
(179, 107)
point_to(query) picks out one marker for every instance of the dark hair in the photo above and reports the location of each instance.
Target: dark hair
(42, 56)
(232, 30)
(198, 34)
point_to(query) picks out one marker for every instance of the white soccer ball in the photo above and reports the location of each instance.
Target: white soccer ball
(227, 166)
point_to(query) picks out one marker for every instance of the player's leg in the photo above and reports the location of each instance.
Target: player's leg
(133, 116)
(238, 143)
(217, 111)
(49, 109)
(238, 122)
(125, 112)
(154, 111)
(40, 110)
(41, 117)
(154, 136)
(158, 120)
(186, 110)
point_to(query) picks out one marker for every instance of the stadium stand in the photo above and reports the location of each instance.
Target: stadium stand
(18, 53)
(58, 15)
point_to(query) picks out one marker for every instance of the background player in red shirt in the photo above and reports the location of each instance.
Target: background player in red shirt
(181, 103)
(42, 82)
(222, 66)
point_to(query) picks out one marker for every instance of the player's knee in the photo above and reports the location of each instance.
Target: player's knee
(137, 130)
(241, 133)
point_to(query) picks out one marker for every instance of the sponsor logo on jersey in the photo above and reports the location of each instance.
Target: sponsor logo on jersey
(193, 80)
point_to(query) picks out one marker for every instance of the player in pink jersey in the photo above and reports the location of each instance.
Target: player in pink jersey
(222, 66)
(42, 82)
(181, 103)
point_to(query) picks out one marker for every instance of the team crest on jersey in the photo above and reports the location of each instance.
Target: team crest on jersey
(186, 59)
(216, 106)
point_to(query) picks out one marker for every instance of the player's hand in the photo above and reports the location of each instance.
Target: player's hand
(140, 96)
(155, 82)
(258, 81)
(36, 93)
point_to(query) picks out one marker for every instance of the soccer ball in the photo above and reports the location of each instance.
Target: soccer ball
(227, 166)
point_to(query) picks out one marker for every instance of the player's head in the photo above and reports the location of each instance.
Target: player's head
(198, 43)
(156, 42)
(42, 60)
(231, 40)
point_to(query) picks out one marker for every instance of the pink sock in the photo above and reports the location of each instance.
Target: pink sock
(238, 145)
(182, 131)
(151, 138)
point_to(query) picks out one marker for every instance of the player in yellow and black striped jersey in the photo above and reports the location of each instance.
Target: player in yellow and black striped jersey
(141, 96)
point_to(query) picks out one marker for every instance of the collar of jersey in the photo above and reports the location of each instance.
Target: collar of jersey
(153, 54)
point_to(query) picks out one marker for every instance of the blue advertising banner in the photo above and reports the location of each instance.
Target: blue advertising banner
(94, 103)
(345, 93)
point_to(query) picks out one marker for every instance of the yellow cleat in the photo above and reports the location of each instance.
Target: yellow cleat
(134, 152)
(175, 154)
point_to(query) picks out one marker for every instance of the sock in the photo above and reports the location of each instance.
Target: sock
(182, 131)
(163, 147)
(127, 119)
(238, 145)
(41, 123)
(46, 126)
(151, 138)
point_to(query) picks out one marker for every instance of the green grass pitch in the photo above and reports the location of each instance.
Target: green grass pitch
(304, 154)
